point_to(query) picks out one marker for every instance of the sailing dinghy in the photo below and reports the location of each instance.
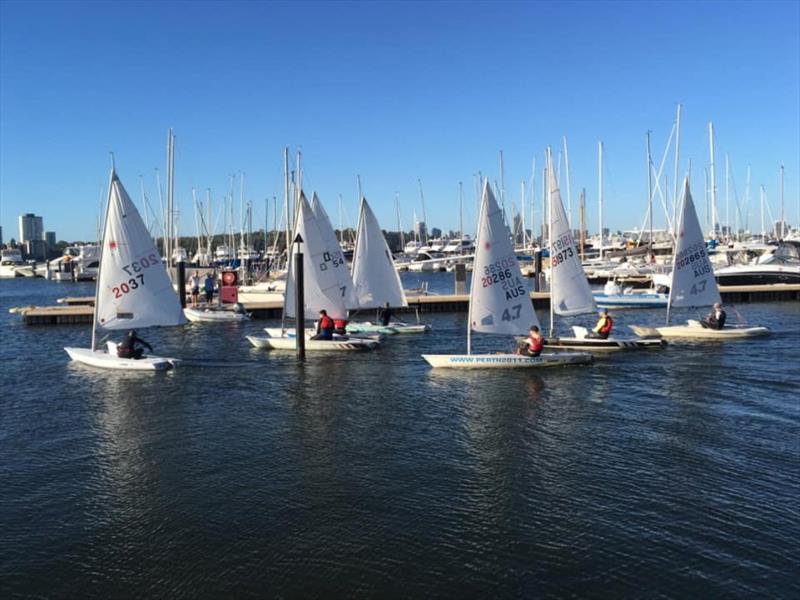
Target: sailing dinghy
(570, 293)
(133, 288)
(499, 302)
(693, 284)
(375, 277)
(327, 285)
(215, 315)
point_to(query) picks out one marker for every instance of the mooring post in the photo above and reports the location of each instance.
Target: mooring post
(182, 283)
(299, 311)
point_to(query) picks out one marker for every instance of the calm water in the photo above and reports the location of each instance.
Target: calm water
(672, 473)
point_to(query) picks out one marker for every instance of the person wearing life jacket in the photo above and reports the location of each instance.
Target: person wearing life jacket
(534, 344)
(340, 326)
(602, 330)
(325, 327)
(127, 348)
(716, 318)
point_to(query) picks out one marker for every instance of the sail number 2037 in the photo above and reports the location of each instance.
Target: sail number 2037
(134, 269)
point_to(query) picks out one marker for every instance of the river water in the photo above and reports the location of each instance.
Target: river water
(668, 473)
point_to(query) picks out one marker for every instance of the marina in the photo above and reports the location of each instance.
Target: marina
(236, 461)
(491, 300)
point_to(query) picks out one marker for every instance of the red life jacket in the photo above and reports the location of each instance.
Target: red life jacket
(535, 344)
(606, 328)
(325, 322)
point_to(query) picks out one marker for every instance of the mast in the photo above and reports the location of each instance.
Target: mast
(102, 252)
(550, 239)
(502, 187)
(460, 214)
(341, 219)
(286, 202)
(569, 193)
(783, 232)
(650, 194)
(675, 181)
(424, 215)
(713, 181)
(747, 201)
(399, 223)
(600, 193)
(727, 195)
(210, 238)
(522, 212)
(581, 233)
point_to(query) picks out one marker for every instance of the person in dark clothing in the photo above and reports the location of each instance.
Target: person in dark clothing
(325, 327)
(716, 318)
(208, 288)
(128, 348)
(386, 315)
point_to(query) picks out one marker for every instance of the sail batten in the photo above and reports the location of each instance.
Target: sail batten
(134, 289)
(693, 282)
(500, 303)
(375, 277)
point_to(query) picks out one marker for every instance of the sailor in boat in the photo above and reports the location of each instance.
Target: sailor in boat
(194, 282)
(716, 318)
(602, 330)
(534, 344)
(386, 315)
(128, 347)
(340, 326)
(325, 327)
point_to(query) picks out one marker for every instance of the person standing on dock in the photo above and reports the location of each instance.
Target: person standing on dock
(716, 318)
(602, 330)
(208, 286)
(386, 315)
(194, 282)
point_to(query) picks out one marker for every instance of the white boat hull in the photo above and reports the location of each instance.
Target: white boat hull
(103, 360)
(290, 343)
(603, 346)
(631, 300)
(197, 315)
(393, 328)
(693, 330)
(505, 361)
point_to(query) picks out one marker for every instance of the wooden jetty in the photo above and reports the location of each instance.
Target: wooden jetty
(79, 310)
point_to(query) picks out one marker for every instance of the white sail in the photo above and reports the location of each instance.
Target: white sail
(322, 267)
(375, 277)
(569, 289)
(335, 250)
(499, 299)
(693, 282)
(134, 289)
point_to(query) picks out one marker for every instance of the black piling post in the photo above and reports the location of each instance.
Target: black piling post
(182, 283)
(299, 314)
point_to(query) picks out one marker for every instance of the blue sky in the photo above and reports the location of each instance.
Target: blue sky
(395, 92)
